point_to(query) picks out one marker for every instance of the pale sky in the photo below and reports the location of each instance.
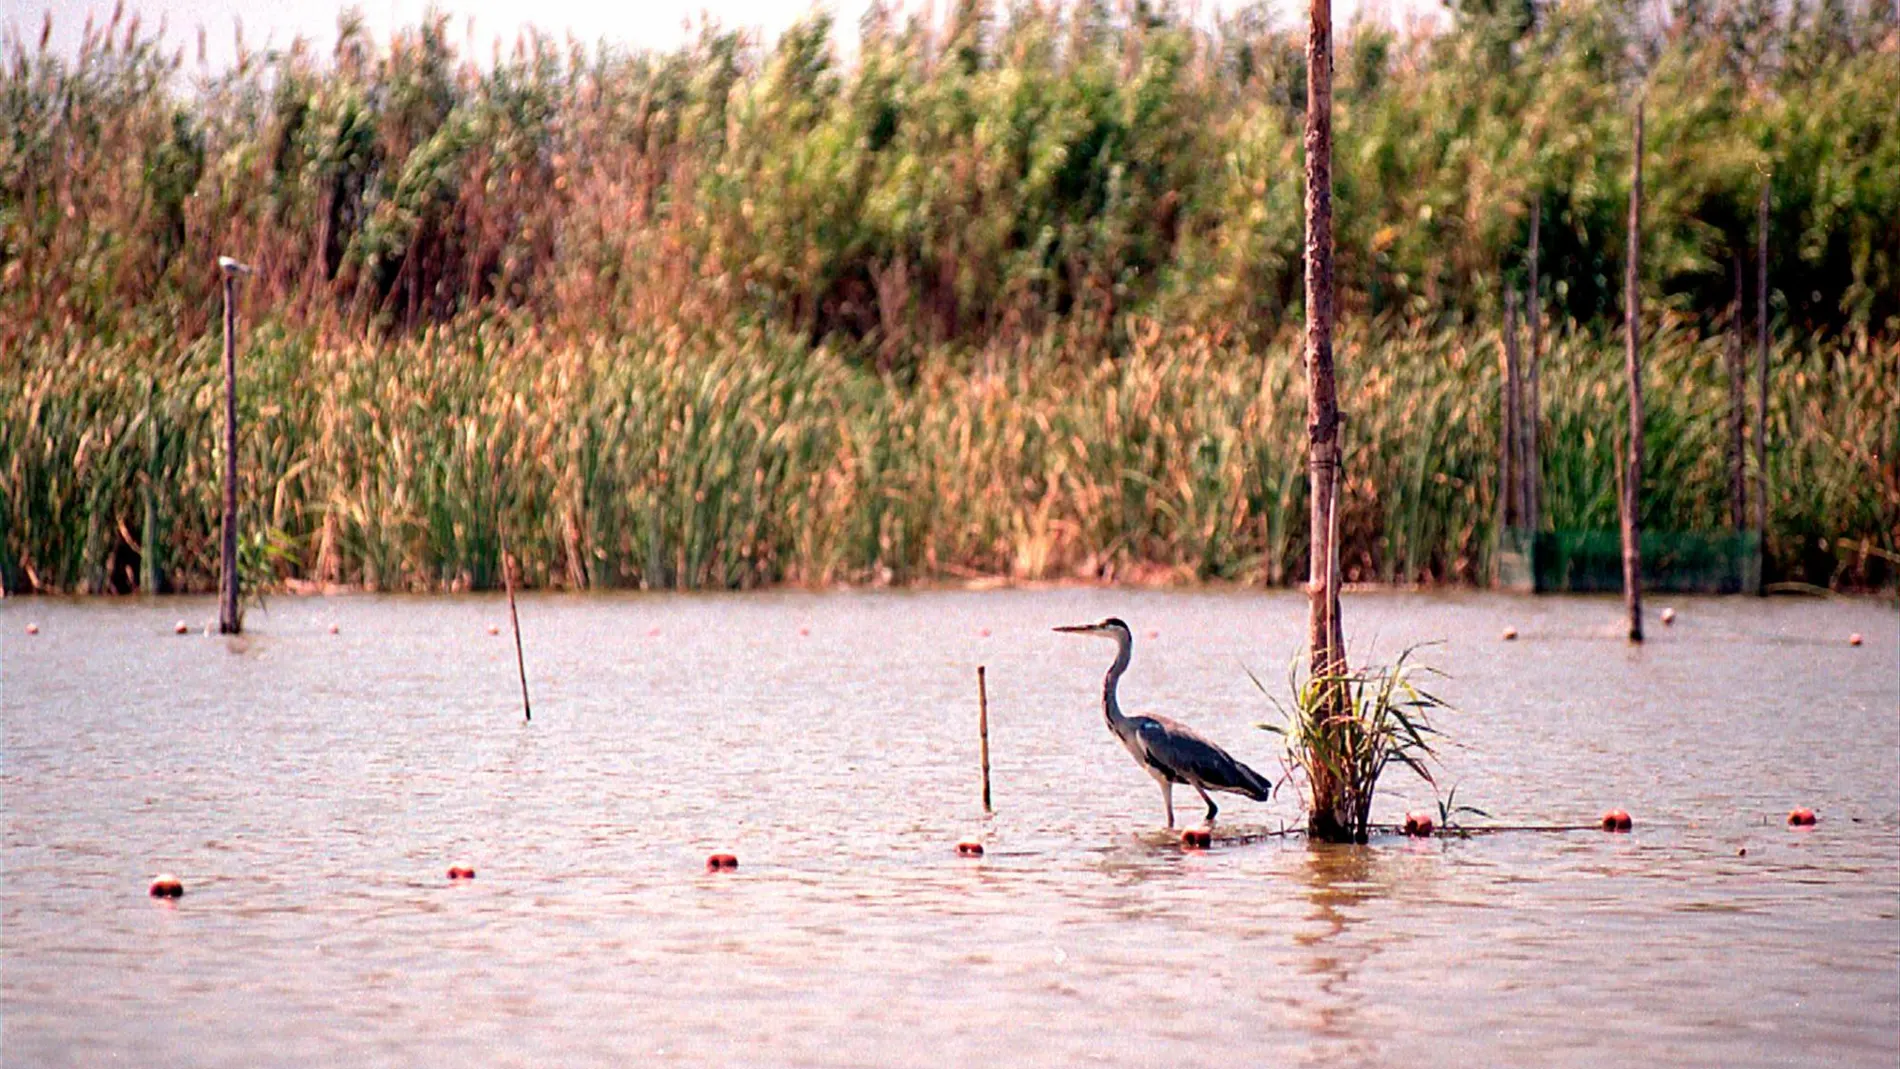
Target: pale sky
(635, 24)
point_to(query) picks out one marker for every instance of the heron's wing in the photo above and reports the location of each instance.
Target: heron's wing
(1190, 755)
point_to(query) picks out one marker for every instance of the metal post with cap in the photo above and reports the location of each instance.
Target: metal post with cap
(229, 620)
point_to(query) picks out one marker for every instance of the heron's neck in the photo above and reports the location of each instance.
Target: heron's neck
(1111, 709)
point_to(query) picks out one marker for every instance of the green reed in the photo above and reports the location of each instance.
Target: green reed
(738, 457)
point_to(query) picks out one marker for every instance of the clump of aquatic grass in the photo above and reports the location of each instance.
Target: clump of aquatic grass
(1345, 728)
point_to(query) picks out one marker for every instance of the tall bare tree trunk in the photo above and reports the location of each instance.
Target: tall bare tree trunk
(1534, 401)
(1633, 360)
(229, 622)
(1737, 411)
(1761, 356)
(1330, 819)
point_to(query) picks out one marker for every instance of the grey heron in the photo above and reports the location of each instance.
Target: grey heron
(1169, 750)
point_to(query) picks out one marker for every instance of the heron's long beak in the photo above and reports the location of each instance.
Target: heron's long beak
(1078, 629)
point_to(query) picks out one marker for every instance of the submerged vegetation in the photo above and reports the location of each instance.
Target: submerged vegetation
(1005, 295)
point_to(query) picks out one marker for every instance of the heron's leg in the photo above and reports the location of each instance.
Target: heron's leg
(1211, 807)
(1167, 799)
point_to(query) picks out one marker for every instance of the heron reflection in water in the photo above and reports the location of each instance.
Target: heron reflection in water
(1169, 750)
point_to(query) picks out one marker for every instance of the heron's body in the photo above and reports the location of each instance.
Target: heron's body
(1169, 750)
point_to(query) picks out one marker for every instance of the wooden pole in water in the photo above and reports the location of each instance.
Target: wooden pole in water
(1519, 484)
(1330, 819)
(151, 557)
(514, 620)
(1737, 410)
(1507, 433)
(1761, 400)
(1633, 362)
(1534, 401)
(983, 732)
(229, 621)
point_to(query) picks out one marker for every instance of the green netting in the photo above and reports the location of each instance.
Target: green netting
(1592, 561)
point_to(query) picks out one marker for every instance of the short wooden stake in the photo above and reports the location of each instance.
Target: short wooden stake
(983, 732)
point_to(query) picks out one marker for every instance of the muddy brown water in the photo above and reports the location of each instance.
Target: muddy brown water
(311, 790)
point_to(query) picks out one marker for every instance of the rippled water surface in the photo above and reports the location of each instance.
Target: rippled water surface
(311, 789)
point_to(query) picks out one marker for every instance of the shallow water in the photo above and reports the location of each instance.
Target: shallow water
(311, 790)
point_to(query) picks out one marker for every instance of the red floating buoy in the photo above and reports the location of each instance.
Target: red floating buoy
(32, 629)
(1854, 639)
(721, 862)
(494, 629)
(1509, 634)
(333, 629)
(804, 631)
(180, 628)
(1669, 616)
(1154, 634)
(1420, 823)
(970, 848)
(1197, 838)
(1802, 817)
(983, 632)
(458, 872)
(165, 885)
(1616, 820)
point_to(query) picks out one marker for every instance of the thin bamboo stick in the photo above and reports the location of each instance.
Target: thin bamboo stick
(983, 732)
(514, 620)
(508, 580)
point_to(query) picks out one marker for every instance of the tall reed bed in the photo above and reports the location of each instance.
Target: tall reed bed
(998, 173)
(736, 457)
(1005, 293)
